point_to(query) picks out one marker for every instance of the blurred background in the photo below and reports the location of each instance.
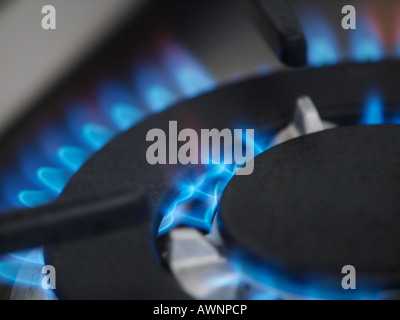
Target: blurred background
(33, 59)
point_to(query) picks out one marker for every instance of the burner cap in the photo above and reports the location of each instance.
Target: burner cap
(322, 201)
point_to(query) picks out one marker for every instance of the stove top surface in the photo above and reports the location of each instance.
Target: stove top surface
(322, 195)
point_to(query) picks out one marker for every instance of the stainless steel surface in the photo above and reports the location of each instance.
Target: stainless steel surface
(199, 268)
(306, 120)
(31, 292)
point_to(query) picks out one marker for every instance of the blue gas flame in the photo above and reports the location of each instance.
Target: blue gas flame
(365, 41)
(323, 45)
(46, 164)
(197, 199)
(373, 110)
(362, 44)
(270, 284)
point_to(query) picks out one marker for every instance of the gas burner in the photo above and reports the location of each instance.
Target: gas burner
(121, 166)
(323, 194)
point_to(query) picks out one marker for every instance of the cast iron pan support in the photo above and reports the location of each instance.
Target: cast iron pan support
(278, 23)
(64, 221)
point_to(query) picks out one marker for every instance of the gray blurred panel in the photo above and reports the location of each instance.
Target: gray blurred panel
(32, 59)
